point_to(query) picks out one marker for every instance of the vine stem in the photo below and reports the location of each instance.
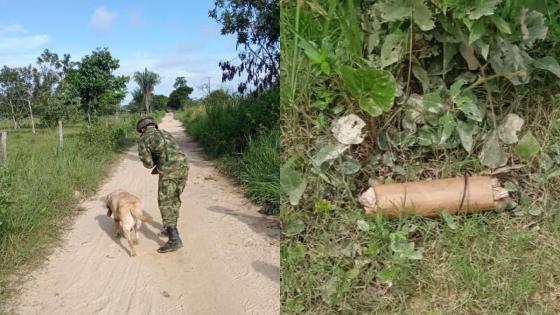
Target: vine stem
(411, 33)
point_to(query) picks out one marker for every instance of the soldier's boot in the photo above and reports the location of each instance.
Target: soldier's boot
(174, 242)
(163, 232)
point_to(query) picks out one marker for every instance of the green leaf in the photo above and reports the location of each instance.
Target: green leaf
(392, 49)
(466, 132)
(548, 63)
(292, 183)
(311, 51)
(374, 89)
(532, 26)
(432, 107)
(501, 24)
(327, 153)
(293, 226)
(372, 249)
(448, 124)
(423, 16)
(387, 274)
(492, 154)
(401, 10)
(545, 162)
(482, 8)
(422, 76)
(527, 147)
(455, 88)
(507, 59)
(351, 166)
(449, 220)
(477, 31)
(362, 225)
(469, 108)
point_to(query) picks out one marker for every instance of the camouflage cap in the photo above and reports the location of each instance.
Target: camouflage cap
(144, 122)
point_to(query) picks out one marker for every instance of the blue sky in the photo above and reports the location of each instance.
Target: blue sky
(172, 38)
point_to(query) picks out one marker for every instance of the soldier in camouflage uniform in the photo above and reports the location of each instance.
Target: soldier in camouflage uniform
(158, 150)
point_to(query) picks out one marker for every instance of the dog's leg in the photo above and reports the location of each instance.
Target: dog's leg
(137, 225)
(129, 239)
(117, 228)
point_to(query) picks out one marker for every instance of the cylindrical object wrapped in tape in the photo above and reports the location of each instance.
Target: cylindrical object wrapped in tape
(430, 198)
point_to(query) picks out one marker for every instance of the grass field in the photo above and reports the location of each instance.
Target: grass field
(41, 186)
(335, 259)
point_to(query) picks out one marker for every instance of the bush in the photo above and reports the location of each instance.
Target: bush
(245, 133)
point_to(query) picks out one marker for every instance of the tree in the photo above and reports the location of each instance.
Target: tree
(9, 94)
(180, 82)
(256, 23)
(146, 80)
(180, 95)
(160, 102)
(93, 78)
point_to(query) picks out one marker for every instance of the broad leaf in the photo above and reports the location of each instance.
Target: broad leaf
(455, 88)
(466, 132)
(492, 154)
(532, 26)
(501, 24)
(468, 54)
(292, 183)
(293, 226)
(392, 49)
(469, 108)
(448, 124)
(548, 63)
(328, 153)
(351, 166)
(509, 58)
(422, 76)
(476, 31)
(401, 10)
(528, 146)
(374, 89)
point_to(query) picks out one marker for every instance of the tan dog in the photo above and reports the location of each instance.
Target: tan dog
(127, 213)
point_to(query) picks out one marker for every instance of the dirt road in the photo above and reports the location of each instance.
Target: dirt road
(230, 262)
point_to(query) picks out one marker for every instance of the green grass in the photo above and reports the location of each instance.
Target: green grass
(243, 134)
(41, 186)
(337, 260)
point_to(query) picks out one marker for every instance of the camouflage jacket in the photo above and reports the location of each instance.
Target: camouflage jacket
(158, 148)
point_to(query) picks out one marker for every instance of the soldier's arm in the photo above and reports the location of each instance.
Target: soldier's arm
(144, 154)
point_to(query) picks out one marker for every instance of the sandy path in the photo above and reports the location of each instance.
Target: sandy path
(229, 263)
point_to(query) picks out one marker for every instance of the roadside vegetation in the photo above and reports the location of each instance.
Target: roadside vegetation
(244, 135)
(444, 88)
(242, 130)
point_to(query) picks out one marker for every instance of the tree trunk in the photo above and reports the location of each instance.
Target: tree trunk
(146, 105)
(31, 116)
(16, 124)
(88, 114)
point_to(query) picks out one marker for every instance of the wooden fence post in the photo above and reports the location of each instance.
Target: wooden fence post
(60, 134)
(4, 145)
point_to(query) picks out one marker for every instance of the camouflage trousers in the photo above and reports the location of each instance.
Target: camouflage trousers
(169, 197)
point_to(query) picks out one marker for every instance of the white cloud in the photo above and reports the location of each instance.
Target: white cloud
(15, 38)
(103, 19)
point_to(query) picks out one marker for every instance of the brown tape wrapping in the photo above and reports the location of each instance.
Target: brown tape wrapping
(430, 198)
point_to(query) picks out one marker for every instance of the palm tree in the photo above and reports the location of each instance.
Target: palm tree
(146, 80)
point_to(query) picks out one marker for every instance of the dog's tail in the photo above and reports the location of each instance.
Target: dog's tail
(140, 215)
